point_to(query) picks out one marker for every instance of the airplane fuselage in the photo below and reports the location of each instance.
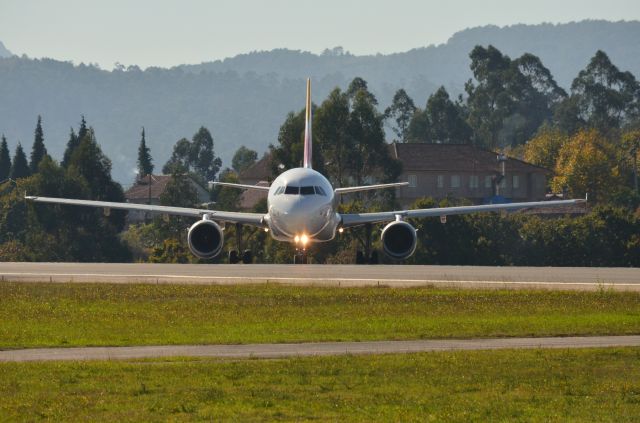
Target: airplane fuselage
(302, 207)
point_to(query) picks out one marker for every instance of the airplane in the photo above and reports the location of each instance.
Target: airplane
(302, 209)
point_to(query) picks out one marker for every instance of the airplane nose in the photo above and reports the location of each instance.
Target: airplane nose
(299, 217)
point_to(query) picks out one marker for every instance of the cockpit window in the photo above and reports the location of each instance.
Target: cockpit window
(320, 191)
(306, 191)
(292, 190)
(279, 191)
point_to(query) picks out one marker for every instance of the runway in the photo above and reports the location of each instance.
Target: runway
(558, 278)
(311, 349)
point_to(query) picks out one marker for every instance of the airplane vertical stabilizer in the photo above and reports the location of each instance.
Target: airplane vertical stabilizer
(307, 130)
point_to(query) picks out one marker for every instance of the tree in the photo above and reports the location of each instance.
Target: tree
(74, 141)
(179, 191)
(19, 166)
(587, 165)
(401, 111)
(605, 97)
(145, 162)
(202, 156)
(288, 153)
(95, 167)
(196, 157)
(5, 159)
(358, 84)
(371, 157)
(330, 130)
(544, 148)
(510, 99)
(228, 198)
(445, 121)
(179, 157)
(243, 159)
(38, 151)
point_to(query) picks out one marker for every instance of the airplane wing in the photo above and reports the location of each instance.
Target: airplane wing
(368, 187)
(254, 219)
(355, 219)
(241, 186)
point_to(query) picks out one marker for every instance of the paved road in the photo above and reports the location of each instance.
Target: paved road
(311, 349)
(583, 278)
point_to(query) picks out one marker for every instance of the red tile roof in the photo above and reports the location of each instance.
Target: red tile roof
(140, 191)
(259, 171)
(455, 157)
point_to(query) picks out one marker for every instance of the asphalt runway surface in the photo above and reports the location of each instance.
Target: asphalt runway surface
(559, 278)
(312, 349)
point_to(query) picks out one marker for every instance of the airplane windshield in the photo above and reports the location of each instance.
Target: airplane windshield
(292, 190)
(320, 191)
(307, 191)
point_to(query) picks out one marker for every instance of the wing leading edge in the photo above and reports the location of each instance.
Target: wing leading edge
(355, 219)
(254, 219)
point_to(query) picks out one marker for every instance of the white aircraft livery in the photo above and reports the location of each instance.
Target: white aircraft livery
(302, 209)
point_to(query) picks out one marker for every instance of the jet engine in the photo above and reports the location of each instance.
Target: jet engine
(399, 240)
(205, 239)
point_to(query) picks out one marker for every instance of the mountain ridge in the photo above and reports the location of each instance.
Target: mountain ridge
(243, 100)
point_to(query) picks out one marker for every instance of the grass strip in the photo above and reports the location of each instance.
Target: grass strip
(511, 385)
(40, 315)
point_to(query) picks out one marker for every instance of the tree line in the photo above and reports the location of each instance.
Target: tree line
(588, 137)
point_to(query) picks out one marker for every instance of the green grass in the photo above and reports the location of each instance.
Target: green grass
(34, 315)
(526, 385)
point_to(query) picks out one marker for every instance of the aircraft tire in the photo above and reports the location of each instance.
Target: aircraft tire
(247, 257)
(233, 257)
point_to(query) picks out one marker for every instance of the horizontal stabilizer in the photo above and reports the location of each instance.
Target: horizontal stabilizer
(242, 186)
(369, 187)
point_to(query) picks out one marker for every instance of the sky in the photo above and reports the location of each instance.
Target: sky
(171, 32)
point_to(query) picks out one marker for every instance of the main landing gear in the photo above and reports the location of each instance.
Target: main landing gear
(234, 255)
(300, 257)
(367, 256)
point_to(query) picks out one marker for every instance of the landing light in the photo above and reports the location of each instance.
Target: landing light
(296, 239)
(341, 230)
(304, 239)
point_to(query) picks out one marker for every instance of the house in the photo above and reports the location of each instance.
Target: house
(441, 171)
(257, 174)
(465, 171)
(148, 190)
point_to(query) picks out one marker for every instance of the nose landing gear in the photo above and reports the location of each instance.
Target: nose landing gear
(300, 257)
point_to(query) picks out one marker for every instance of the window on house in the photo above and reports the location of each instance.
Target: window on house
(413, 180)
(487, 181)
(473, 181)
(455, 181)
(515, 181)
(440, 181)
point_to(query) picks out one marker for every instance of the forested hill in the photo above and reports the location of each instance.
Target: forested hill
(244, 100)
(3, 51)
(563, 48)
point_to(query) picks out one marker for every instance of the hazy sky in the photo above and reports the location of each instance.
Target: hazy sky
(171, 32)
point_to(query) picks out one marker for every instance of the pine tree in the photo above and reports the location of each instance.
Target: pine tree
(74, 142)
(5, 160)
(38, 151)
(145, 162)
(19, 167)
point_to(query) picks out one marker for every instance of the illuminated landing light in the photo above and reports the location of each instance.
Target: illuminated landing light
(304, 239)
(266, 229)
(296, 239)
(341, 230)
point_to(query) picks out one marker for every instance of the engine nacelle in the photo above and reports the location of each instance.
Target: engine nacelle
(399, 240)
(205, 239)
